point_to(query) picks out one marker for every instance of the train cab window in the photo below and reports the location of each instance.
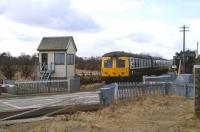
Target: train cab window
(108, 63)
(120, 63)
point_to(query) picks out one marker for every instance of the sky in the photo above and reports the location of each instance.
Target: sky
(100, 26)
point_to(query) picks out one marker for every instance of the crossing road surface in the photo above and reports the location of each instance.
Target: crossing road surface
(15, 104)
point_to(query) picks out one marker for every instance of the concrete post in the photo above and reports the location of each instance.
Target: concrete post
(116, 92)
(197, 89)
(68, 87)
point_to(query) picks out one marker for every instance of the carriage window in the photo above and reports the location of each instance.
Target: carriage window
(120, 63)
(135, 62)
(108, 63)
(149, 63)
(144, 63)
(140, 63)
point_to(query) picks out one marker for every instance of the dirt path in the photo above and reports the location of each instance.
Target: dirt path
(147, 114)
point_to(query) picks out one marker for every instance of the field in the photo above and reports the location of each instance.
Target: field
(146, 114)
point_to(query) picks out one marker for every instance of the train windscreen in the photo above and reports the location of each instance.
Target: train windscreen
(120, 63)
(108, 63)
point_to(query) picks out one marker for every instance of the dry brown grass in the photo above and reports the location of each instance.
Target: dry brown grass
(91, 87)
(87, 72)
(144, 114)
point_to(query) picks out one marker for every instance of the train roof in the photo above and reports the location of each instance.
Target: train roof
(125, 54)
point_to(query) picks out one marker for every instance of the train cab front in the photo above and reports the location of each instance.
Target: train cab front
(114, 69)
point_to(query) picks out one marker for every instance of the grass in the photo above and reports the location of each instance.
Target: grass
(144, 114)
(91, 87)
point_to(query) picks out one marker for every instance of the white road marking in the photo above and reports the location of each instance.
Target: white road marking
(23, 107)
(84, 97)
(11, 105)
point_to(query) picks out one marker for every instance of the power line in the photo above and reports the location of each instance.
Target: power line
(184, 29)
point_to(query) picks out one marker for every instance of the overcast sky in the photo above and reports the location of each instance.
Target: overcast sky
(100, 26)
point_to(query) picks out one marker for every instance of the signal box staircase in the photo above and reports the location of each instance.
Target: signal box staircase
(45, 73)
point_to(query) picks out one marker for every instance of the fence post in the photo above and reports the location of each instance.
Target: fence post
(186, 90)
(68, 85)
(197, 89)
(116, 92)
(167, 88)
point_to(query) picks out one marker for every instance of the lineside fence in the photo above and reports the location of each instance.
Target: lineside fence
(128, 90)
(48, 86)
(131, 90)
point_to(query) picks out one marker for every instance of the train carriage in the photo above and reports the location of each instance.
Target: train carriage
(122, 66)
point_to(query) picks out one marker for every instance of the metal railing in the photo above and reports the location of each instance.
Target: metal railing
(45, 67)
(132, 89)
(35, 87)
(182, 89)
(46, 70)
(47, 86)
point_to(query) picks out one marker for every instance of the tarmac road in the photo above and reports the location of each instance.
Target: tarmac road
(16, 104)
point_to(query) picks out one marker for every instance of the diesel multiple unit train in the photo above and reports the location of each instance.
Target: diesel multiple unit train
(122, 66)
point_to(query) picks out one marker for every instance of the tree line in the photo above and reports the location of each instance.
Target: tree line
(10, 65)
(190, 60)
(91, 63)
(27, 64)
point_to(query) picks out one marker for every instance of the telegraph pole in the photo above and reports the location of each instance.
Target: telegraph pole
(197, 49)
(184, 29)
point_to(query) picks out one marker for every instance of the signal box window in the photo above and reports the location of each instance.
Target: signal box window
(59, 58)
(70, 59)
(108, 63)
(120, 63)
